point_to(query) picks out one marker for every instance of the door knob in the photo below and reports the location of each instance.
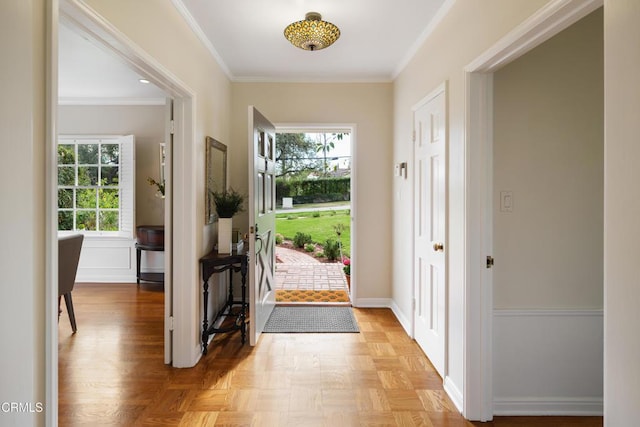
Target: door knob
(438, 247)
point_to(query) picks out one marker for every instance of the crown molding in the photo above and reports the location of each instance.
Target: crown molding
(197, 30)
(433, 24)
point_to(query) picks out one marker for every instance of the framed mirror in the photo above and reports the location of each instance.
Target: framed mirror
(216, 175)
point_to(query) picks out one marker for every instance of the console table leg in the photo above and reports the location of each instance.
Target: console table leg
(205, 324)
(230, 298)
(243, 306)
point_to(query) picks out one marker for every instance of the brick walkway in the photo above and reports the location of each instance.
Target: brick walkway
(296, 270)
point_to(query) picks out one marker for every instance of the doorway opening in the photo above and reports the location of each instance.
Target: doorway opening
(178, 252)
(313, 217)
(480, 316)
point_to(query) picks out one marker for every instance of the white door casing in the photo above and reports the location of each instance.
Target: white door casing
(430, 220)
(262, 215)
(168, 232)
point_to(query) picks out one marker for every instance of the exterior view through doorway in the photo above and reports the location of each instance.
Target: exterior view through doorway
(313, 219)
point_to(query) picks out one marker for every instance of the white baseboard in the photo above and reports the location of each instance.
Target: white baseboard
(105, 278)
(548, 362)
(152, 270)
(372, 303)
(454, 393)
(404, 321)
(549, 406)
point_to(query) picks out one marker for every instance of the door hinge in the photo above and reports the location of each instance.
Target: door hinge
(414, 135)
(413, 304)
(172, 127)
(490, 261)
(171, 323)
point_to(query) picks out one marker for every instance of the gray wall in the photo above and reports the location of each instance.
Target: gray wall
(548, 277)
(548, 151)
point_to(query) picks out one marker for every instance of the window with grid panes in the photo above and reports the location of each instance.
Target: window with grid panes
(95, 185)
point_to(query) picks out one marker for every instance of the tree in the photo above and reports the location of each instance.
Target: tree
(324, 144)
(295, 153)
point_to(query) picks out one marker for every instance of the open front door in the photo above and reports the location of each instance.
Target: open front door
(262, 221)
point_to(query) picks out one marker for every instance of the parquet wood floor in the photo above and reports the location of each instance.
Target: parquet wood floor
(111, 373)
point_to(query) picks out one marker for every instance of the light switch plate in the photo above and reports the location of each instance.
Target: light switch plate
(506, 201)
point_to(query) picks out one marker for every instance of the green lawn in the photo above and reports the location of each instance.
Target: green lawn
(320, 228)
(337, 205)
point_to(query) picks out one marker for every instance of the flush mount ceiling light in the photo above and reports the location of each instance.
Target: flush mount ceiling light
(313, 33)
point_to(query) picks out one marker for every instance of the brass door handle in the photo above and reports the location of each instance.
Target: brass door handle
(438, 247)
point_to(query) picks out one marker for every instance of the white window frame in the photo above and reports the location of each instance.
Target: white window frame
(126, 182)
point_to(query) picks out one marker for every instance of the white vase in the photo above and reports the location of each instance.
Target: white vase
(224, 235)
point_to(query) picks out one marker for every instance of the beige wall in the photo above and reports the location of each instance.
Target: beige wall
(22, 217)
(147, 124)
(548, 151)
(368, 106)
(460, 38)
(162, 32)
(622, 210)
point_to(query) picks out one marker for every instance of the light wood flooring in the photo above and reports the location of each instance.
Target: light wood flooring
(111, 373)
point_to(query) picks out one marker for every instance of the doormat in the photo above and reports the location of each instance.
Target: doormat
(311, 319)
(299, 295)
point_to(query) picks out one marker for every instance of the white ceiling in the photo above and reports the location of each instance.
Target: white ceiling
(376, 37)
(246, 36)
(88, 73)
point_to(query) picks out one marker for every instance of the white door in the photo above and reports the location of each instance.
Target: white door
(430, 209)
(262, 222)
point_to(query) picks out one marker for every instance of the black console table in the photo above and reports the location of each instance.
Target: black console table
(149, 238)
(213, 262)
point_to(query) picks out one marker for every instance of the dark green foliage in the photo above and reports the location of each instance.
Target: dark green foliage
(96, 208)
(66, 154)
(314, 190)
(294, 154)
(301, 239)
(331, 249)
(228, 202)
(109, 221)
(65, 220)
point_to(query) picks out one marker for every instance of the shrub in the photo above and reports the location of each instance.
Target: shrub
(316, 214)
(292, 217)
(301, 239)
(331, 249)
(292, 187)
(279, 239)
(309, 247)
